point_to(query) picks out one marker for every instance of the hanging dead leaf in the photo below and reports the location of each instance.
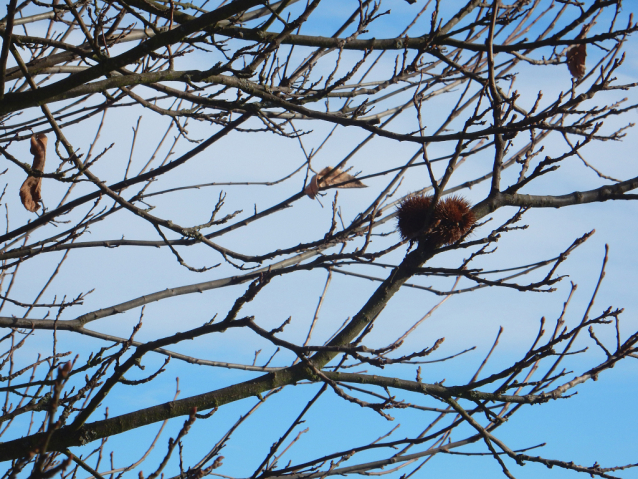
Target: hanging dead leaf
(576, 56)
(331, 176)
(31, 189)
(313, 188)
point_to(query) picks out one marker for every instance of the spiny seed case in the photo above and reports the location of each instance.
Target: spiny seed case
(451, 219)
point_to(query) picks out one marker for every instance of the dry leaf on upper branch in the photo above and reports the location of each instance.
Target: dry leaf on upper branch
(331, 176)
(576, 56)
(31, 189)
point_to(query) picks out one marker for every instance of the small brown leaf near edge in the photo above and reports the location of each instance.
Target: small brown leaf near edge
(576, 56)
(31, 189)
(335, 178)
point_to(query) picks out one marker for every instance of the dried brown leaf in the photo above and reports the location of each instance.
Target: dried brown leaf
(31, 189)
(313, 188)
(328, 177)
(576, 56)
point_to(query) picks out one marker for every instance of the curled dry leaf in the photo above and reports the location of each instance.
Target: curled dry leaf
(576, 56)
(328, 177)
(30, 191)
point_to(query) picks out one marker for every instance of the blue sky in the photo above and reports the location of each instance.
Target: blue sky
(596, 425)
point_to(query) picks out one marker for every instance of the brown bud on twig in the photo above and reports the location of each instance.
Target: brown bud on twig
(217, 463)
(64, 370)
(30, 191)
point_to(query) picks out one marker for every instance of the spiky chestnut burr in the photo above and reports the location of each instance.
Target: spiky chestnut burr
(456, 218)
(411, 216)
(451, 219)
